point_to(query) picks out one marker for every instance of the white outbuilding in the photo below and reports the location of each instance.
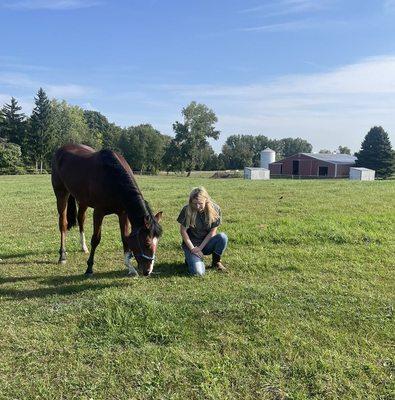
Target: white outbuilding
(362, 174)
(256, 173)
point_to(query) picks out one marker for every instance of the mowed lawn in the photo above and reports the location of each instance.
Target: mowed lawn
(305, 312)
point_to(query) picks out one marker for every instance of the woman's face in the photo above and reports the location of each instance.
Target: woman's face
(199, 204)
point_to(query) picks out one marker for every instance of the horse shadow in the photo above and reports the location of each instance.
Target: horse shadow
(168, 270)
(66, 285)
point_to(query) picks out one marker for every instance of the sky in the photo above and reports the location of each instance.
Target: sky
(323, 70)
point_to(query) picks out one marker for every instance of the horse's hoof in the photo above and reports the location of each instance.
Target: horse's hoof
(62, 262)
(85, 250)
(89, 274)
(133, 274)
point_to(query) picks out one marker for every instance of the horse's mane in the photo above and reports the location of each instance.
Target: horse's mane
(124, 184)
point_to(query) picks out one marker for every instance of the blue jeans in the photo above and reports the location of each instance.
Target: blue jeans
(217, 244)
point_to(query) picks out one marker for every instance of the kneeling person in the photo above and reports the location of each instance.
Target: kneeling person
(199, 221)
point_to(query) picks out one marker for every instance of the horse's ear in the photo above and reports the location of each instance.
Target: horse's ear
(147, 222)
(158, 216)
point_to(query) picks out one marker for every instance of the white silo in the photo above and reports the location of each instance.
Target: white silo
(267, 156)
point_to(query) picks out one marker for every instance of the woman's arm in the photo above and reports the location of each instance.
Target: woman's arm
(185, 237)
(212, 233)
(188, 243)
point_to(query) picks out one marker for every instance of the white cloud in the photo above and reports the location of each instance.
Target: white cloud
(284, 7)
(283, 26)
(23, 81)
(88, 106)
(328, 109)
(49, 4)
(69, 91)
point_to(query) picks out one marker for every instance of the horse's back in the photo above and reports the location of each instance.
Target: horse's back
(86, 174)
(74, 168)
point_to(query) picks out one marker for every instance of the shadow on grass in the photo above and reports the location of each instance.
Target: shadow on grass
(166, 270)
(58, 290)
(64, 285)
(16, 256)
(20, 255)
(27, 262)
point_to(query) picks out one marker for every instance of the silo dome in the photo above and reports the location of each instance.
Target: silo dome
(267, 156)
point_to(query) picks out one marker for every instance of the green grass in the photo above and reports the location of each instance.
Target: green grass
(306, 311)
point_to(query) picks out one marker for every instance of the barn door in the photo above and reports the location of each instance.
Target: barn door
(295, 167)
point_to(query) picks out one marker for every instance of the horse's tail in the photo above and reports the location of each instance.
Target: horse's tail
(71, 213)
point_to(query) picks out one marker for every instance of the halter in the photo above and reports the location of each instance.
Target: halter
(141, 254)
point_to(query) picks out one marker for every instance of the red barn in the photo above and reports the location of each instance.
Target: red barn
(313, 165)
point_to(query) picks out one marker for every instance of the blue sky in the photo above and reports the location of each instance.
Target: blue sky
(323, 70)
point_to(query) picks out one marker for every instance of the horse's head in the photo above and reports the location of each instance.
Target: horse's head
(143, 242)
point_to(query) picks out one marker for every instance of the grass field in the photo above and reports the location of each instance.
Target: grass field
(306, 311)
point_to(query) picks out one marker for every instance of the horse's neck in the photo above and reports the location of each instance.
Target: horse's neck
(136, 213)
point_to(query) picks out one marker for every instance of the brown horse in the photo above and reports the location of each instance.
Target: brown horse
(104, 181)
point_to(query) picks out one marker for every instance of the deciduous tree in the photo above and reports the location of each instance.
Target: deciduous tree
(191, 135)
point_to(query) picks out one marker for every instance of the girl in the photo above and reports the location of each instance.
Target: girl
(199, 221)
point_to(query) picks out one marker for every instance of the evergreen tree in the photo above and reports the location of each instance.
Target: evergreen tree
(13, 123)
(376, 153)
(39, 139)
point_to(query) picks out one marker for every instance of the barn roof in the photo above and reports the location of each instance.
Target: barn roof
(333, 158)
(330, 158)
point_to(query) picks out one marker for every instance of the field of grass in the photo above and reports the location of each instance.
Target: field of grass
(306, 311)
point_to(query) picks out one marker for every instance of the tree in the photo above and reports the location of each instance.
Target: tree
(105, 132)
(143, 147)
(291, 146)
(344, 150)
(171, 159)
(13, 123)
(67, 124)
(376, 153)
(192, 134)
(325, 151)
(238, 151)
(10, 158)
(38, 138)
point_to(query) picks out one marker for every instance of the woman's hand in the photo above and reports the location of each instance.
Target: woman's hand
(197, 252)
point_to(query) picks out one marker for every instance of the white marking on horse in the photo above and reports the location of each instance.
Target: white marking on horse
(154, 245)
(83, 243)
(129, 266)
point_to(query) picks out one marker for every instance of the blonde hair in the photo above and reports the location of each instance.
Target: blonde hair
(210, 211)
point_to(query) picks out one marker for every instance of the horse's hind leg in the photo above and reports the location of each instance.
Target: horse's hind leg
(61, 202)
(81, 220)
(97, 222)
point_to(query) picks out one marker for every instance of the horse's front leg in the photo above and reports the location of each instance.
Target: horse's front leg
(96, 236)
(124, 227)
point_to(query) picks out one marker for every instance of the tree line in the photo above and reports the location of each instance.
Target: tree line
(28, 142)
